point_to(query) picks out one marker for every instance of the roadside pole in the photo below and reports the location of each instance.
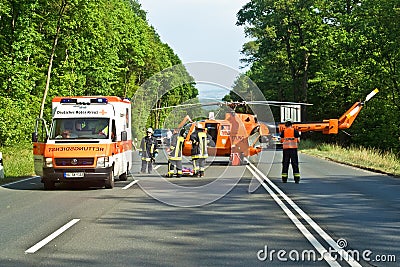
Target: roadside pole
(1, 166)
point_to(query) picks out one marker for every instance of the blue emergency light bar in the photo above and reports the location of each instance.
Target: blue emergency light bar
(101, 100)
(68, 101)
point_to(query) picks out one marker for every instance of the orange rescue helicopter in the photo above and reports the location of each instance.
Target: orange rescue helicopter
(240, 135)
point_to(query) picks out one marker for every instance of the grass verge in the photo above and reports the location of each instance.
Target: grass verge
(370, 159)
(17, 163)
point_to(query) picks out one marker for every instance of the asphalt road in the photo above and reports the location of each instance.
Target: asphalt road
(219, 220)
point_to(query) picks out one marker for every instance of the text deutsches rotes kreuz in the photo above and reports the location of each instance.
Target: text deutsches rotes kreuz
(78, 112)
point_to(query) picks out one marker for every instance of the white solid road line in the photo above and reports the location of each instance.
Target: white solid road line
(156, 167)
(20, 181)
(129, 185)
(344, 255)
(296, 221)
(350, 260)
(42, 243)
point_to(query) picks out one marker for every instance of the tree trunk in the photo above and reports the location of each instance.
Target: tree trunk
(60, 14)
(291, 64)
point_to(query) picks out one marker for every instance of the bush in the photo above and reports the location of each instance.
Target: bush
(17, 120)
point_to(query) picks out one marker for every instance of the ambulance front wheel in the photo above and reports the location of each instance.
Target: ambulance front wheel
(49, 185)
(110, 180)
(124, 176)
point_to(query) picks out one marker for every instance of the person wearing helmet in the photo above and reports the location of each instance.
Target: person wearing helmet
(148, 151)
(175, 154)
(199, 149)
(290, 139)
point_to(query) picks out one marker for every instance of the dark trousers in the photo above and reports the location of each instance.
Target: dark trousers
(147, 164)
(172, 164)
(290, 156)
(199, 164)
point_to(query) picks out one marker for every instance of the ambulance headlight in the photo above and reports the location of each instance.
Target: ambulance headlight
(103, 161)
(48, 163)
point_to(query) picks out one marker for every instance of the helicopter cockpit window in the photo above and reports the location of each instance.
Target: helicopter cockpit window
(225, 130)
(186, 129)
(212, 130)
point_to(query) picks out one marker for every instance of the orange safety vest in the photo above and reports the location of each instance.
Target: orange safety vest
(288, 140)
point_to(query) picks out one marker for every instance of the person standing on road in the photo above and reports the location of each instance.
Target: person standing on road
(199, 150)
(290, 139)
(175, 154)
(148, 149)
(169, 136)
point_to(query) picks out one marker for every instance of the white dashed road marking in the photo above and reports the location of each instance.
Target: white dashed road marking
(129, 185)
(45, 241)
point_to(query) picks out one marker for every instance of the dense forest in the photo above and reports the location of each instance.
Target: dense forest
(331, 54)
(76, 47)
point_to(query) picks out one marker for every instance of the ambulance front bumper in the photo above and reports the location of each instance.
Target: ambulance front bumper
(73, 175)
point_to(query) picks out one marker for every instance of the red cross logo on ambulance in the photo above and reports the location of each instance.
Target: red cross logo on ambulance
(103, 112)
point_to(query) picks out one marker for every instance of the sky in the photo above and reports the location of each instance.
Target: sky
(200, 31)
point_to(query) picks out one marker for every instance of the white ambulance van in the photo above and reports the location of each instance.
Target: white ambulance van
(89, 139)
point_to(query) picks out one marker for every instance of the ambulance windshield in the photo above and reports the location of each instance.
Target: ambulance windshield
(80, 128)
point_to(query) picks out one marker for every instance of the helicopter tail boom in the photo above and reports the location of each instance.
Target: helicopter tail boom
(332, 126)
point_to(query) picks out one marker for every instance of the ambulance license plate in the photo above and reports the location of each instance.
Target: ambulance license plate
(74, 174)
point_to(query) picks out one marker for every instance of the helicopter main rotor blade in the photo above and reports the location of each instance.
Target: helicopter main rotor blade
(241, 103)
(277, 103)
(189, 105)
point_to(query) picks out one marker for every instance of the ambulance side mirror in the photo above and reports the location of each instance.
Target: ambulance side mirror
(35, 137)
(124, 136)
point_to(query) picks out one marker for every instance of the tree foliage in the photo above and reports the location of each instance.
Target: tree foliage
(329, 53)
(83, 47)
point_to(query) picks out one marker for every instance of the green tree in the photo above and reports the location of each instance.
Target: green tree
(284, 40)
(70, 47)
(329, 53)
